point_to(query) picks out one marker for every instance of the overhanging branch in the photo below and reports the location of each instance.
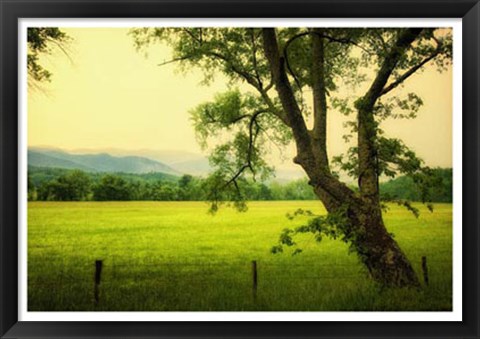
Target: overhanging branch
(409, 73)
(328, 37)
(252, 135)
(171, 61)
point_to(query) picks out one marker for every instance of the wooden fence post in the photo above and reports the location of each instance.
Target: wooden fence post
(98, 275)
(425, 270)
(254, 280)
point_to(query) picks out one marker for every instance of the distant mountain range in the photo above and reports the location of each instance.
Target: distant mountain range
(135, 161)
(101, 162)
(165, 156)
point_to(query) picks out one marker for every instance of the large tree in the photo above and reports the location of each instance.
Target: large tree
(282, 67)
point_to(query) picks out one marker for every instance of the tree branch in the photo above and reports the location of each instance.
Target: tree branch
(171, 61)
(290, 70)
(367, 130)
(319, 98)
(254, 56)
(388, 65)
(251, 145)
(409, 73)
(61, 47)
(382, 40)
(328, 37)
(287, 98)
(347, 41)
(253, 80)
(305, 157)
(190, 33)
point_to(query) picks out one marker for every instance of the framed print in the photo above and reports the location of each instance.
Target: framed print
(239, 169)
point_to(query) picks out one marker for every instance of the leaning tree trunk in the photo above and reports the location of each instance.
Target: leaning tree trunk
(376, 248)
(380, 253)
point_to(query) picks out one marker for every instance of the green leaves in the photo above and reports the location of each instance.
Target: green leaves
(398, 108)
(67, 187)
(299, 212)
(342, 105)
(243, 123)
(424, 185)
(333, 225)
(236, 52)
(229, 111)
(39, 37)
(40, 40)
(238, 126)
(393, 158)
(111, 187)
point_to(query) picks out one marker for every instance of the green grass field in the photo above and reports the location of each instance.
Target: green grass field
(174, 256)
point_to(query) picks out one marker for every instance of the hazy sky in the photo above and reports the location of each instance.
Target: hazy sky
(109, 95)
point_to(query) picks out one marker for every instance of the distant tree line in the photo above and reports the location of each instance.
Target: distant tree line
(439, 187)
(47, 184)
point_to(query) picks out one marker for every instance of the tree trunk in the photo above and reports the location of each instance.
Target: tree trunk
(376, 248)
(380, 253)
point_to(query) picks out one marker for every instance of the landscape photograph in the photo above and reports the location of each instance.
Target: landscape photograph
(208, 169)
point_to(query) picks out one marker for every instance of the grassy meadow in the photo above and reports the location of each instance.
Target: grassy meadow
(174, 256)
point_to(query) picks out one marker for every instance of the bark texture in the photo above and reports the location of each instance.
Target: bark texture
(380, 253)
(377, 249)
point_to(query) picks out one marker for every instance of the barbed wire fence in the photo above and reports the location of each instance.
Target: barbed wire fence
(254, 274)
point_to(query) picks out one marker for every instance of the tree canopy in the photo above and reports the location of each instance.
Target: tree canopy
(300, 75)
(347, 61)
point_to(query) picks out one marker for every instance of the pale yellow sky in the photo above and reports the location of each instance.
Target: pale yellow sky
(110, 95)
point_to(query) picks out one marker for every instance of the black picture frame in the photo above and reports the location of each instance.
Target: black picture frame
(11, 11)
